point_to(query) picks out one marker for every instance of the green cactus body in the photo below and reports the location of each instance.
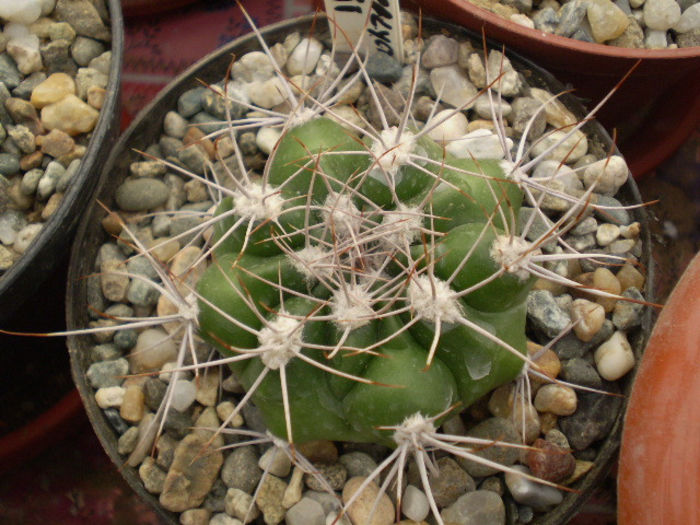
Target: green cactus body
(257, 284)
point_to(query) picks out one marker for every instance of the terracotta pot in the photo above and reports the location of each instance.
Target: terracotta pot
(654, 111)
(659, 470)
(146, 129)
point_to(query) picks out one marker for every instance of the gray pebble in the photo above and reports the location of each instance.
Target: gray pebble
(107, 373)
(524, 108)
(593, 419)
(207, 122)
(585, 227)
(495, 428)
(104, 352)
(30, 181)
(152, 477)
(142, 293)
(127, 441)
(383, 68)
(9, 164)
(154, 392)
(334, 474)
(329, 502)
(57, 58)
(629, 314)
(482, 507)
(546, 20)
(49, 180)
(193, 158)
(616, 215)
(580, 372)
(571, 16)
(118, 424)
(174, 125)
(141, 194)
(9, 74)
(447, 484)
(84, 17)
(544, 312)
(440, 51)
(25, 88)
(125, 339)
(240, 469)
(306, 512)
(102, 62)
(358, 464)
(65, 179)
(569, 346)
(83, 50)
(169, 146)
(190, 102)
(530, 493)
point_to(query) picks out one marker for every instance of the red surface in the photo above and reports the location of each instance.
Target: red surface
(660, 455)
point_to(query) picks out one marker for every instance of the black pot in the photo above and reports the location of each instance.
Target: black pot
(147, 128)
(32, 297)
(50, 247)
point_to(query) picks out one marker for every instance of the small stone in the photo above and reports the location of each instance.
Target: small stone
(629, 276)
(449, 125)
(223, 519)
(497, 429)
(333, 475)
(607, 20)
(111, 396)
(589, 318)
(448, 483)
(70, 114)
(557, 399)
(84, 17)
(240, 470)
(453, 86)
(184, 393)
(606, 175)
(546, 20)
(689, 20)
(593, 418)
(528, 492)
(276, 462)
(141, 194)
(358, 464)
(615, 357)
(661, 15)
(567, 150)
(440, 51)
(240, 505)
(302, 60)
(479, 144)
(293, 492)
(174, 124)
(153, 349)
(127, 441)
(107, 373)
(550, 462)
(483, 507)
(83, 50)
(191, 474)
(415, 504)
(57, 143)
(632, 37)
(383, 68)
(266, 139)
(546, 314)
(87, 78)
(580, 372)
(607, 233)
(509, 83)
(306, 512)
(152, 477)
(25, 52)
(527, 115)
(369, 507)
(53, 89)
(269, 499)
(195, 517)
(571, 16)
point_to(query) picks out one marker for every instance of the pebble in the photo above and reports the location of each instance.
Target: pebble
(689, 20)
(195, 517)
(589, 318)
(415, 505)
(365, 509)
(528, 492)
(107, 373)
(661, 15)
(70, 114)
(358, 464)
(153, 349)
(191, 474)
(141, 194)
(240, 470)
(152, 477)
(241, 505)
(223, 519)
(111, 396)
(556, 399)
(615, 357)
(452, 86)
(606, 175)
(497, 64)
(440, 51)
(306, 512)
(497, 429)
(628, 314)
(567, 150)
(302, 60)
(484, 507)
(544, 312)
(607, 20)
(276, 462)
(383, 68)
(479, 144)
(333, 475)
(270, 494)
(550, 461)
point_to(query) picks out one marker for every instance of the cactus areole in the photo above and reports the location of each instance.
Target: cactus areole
(360, 283)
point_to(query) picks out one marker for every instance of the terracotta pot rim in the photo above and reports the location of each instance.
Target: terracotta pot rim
(570, 44)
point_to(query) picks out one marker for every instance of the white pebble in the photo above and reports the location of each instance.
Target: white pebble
(166, 372)
(614, 358)
(22, 12)
(333, 519)
(480, 144)
(415, 504)
(25, 237)
(154, 347)
(655, 39)
(689, 20)
(608, 175)
(276, 462)
(109, 396)
(607, 233)
(589, 318)
(25, 51)
(267, 93)
(522, 20)
(266, 139)
(483, 106)
(566, 149)
(509, 83)
(184, 393)
(452, 125)
(529, 492)
(255, 65)
(554, 170)
(303, 59)
(452, 86)
(661, 14)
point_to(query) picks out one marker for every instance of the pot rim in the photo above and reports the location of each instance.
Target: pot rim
(36, 263)
(75, 309)
(568, 44)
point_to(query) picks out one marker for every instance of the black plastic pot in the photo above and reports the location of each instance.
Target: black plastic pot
(32, 295)
(50, 247)
(147, 128)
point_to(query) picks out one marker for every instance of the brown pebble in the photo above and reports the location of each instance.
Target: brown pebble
(550, 462)
(57, 143)
(197, 136)
(112, 224)
(320, 451)
(31, 161)
(51, 205)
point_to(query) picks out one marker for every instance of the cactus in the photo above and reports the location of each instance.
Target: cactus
(371, 282)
